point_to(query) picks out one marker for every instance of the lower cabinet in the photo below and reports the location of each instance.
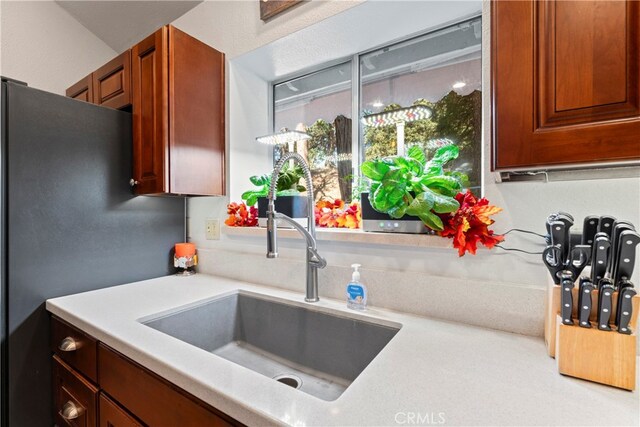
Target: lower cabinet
(124, 393)
(74, 397)
(112, 415)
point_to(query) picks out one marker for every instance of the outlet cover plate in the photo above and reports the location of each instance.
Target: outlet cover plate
(212, 229)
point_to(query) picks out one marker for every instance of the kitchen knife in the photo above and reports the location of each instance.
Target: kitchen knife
(568, 223)
(599, 258)
(606, 224)
(625, 309)
(584, 302)
(623, 268)
(589, 229)
(558, 239)
(605, 303)
(618, 228)
(566, 298)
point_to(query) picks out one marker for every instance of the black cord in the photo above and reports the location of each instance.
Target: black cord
(524, 231)
(518, 250)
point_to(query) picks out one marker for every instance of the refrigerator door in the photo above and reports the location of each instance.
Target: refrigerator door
(72, 225)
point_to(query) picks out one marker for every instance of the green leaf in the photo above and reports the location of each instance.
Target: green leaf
(432, 221)
(301, 188)
(445, 191)
(387, 196)
(260, 180)
(416, 153)
(374, 169)
(442, 203)
(445, 181)
(432, 170)
(445, 154)
(251, 197)
(421, 204)
(398, 211)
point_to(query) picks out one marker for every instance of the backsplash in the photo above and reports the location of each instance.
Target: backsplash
(495, 305)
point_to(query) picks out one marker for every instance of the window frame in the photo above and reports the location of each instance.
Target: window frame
(357, 133)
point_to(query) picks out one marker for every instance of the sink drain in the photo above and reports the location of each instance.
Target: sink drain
(289, 379)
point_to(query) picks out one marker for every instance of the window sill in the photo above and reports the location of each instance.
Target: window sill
(348, 236)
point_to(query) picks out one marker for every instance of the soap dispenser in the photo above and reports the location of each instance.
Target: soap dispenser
(356, 291)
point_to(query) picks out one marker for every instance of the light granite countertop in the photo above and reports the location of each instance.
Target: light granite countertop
(432, 371)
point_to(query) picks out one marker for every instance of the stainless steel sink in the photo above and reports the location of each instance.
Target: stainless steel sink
(319, 353)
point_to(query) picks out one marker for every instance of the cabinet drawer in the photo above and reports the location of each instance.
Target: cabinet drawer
(74, 398)
(74, 347)
(112, 415)
(112, 82)
(152, 399)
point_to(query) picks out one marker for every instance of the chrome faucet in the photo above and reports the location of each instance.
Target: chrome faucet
(314, 260)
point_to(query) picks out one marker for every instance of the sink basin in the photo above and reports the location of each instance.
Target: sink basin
(319, 353)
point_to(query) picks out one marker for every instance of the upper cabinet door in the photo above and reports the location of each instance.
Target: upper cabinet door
(82, 90)
(565, 82)
(197, 116)
(150, 108)
(112, 82)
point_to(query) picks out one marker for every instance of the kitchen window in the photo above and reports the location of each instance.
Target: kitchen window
(440, 69)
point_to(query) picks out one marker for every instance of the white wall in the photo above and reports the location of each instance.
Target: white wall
(495, 273)
(41, 44)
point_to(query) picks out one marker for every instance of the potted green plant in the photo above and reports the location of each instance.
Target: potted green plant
(288, 201)
(412, 186)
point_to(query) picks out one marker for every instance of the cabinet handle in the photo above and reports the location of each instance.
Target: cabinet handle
(133, 182)
(70, 411)
(68, 344)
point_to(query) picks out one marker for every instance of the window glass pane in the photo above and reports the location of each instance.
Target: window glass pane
(441, 70)
(320, 104)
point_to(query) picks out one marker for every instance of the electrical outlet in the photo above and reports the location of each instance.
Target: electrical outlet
(212, 227)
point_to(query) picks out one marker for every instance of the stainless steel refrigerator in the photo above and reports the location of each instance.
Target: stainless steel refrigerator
(69, 223)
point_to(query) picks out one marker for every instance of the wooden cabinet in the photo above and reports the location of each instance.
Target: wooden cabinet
(113, 415)
(83, 90)
(178, 115)
(565, 82)
(175, 86)
(74, 398)
(153, 400)
(123, 393)
(112, 82)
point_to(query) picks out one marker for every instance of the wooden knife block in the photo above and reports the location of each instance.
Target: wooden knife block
(606, 357)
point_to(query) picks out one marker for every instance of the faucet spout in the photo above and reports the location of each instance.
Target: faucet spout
(314, 260)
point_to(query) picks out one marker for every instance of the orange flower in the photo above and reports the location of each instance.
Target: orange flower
(470, 224)
(240, 216)
(335, 215)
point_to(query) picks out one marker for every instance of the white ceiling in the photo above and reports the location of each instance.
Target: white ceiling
(121, 24)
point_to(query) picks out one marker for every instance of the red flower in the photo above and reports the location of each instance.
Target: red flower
(239, 216)
(470, 224)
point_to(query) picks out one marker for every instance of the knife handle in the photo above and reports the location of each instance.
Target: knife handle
(557, 239)
(606, 224)
(599, 258)
(625, 310)
(589, 229)
(605, 304)
(585, 302)
(566, 298)
(623, 268)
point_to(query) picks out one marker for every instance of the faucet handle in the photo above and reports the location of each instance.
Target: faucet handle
(315, 259)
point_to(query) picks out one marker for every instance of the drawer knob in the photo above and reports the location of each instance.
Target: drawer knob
(68, 344)
(70, 411)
